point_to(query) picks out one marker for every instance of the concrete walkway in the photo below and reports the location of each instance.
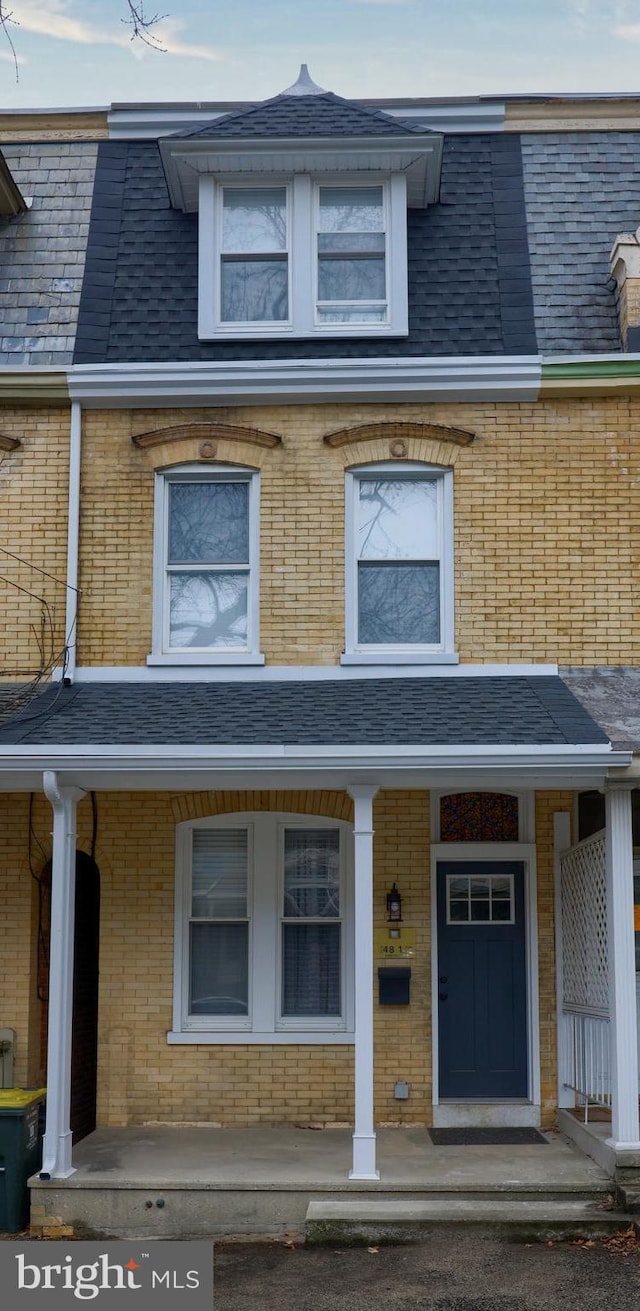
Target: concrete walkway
(281, 1159)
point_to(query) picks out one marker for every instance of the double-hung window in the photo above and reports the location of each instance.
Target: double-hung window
(206, 564)
(303, 257)
(351, 269)
(254, 259)
(263, 928)
(399, 563)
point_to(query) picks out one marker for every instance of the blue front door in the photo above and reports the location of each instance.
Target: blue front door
(482, 992)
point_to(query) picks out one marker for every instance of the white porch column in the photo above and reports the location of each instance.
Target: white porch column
(364, 1138)
(562, 842)
(625, 1129)
(56, 1162)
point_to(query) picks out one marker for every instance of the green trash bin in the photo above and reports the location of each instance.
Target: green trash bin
(20, 1153)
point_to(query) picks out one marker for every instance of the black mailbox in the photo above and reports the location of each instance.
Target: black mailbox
(394, 984)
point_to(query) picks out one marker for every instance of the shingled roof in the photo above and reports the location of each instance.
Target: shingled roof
(444, 711)
(324, 115)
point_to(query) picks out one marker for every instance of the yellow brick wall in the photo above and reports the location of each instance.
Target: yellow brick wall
(34, 481)
(141, 1078)
(546, 524)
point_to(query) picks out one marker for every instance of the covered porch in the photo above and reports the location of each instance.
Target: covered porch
(177, 1180)
(379, 1067)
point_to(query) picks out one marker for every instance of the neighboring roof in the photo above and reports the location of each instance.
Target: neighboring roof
(469, 277)
(612, 697)
(581, 189)
(324, 115)
(440, 711)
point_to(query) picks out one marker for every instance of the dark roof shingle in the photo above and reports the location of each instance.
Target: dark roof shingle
(439, 711)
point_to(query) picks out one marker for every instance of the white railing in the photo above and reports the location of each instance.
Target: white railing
(586, 1057)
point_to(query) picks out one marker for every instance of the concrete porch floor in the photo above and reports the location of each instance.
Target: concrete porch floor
(284, 1158)
(175, 1182)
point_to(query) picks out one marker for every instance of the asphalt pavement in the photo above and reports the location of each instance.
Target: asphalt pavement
(448, 1270)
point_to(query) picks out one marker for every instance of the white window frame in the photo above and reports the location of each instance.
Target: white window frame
(162, 653)
(264, 1022)
(302, 207)
(401, 652)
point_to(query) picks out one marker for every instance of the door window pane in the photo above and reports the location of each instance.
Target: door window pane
(254, 220)
(209, 523)
(486, 900)
(399, 604)
(311, 969)
(397, 519)
(219, 969)
(208, 610)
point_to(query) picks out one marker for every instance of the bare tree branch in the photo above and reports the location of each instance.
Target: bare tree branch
(6, 19)
(141, 24)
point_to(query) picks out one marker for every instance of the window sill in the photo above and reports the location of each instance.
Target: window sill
(179, 659)
(254, 333)
(399, 657)
(249, 1037)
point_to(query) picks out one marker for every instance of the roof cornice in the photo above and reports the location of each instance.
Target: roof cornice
(589, 375)
(444, 378)
(33, 384)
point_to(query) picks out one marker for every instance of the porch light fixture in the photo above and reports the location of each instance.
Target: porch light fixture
(394, 906)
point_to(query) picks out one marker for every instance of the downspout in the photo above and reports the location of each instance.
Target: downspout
(73, 537)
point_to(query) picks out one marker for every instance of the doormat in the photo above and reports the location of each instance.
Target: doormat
(486, 1137)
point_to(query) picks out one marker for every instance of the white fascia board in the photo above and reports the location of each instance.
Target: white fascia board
(365, 759)
(442, 378)
(148, 122)
(293, 673)
(604, 357)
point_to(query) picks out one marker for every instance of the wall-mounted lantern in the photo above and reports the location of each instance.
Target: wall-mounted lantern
(394, 906)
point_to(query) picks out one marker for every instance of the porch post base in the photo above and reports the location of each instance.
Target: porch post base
(364, 1157)
(617, 1146)
(61, 1155)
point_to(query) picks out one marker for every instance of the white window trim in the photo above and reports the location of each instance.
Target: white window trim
(162, 653)
(302, 259)
(264, 1024)
(405, 653)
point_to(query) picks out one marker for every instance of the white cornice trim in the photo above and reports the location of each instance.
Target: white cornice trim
(127, 124)
(444, 378)
(160, 758)
(294, 673)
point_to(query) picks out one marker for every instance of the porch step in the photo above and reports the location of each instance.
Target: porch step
(352, 1222)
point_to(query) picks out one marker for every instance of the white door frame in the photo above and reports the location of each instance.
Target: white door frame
(513, 1113)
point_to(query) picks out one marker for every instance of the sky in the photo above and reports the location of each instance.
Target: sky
(79, 52)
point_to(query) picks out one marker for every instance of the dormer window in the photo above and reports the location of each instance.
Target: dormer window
(254, 256)
(304, 258)
(302, 215)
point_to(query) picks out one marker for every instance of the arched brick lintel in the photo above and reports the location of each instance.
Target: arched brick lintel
(373, 443)
(201, 805)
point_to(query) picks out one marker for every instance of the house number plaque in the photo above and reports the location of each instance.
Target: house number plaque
(394, 942)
